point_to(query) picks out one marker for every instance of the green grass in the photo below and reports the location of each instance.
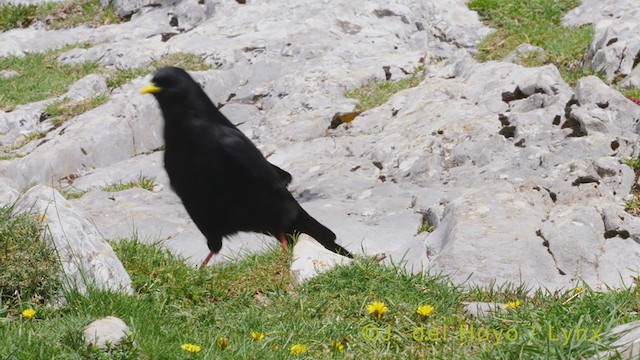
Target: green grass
(12, 16)
(62, 110)
(631, 92)
(41, 77)
(70, 193)
(377, 93)
(143, 182)
(186, 61)
(633, 163)
(176, 304)
(28, 267)
(537, 23)
(426, 228)
(10, 156)
(57, 15)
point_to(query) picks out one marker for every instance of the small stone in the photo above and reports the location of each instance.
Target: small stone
(523, 50)
(482, 309)
(6, 74)
(108, 330)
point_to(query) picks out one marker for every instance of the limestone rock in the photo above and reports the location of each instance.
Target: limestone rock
(310, 258)
(483, 309)
(7, 74)
(8, 191)
(89, 86)
(87, 260)
(627, 342)
(126, 8)
(108, 330)
(523, 50)
(615, 45)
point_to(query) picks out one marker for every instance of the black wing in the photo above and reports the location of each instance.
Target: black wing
(247, 156)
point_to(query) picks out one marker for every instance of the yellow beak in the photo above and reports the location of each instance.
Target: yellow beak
(150, 88)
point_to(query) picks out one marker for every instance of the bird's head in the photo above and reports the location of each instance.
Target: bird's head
(169, 82)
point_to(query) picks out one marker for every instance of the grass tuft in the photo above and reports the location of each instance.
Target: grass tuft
(144, 182)
(377, 93)
(70, 193)
(30, 268)
(426, 228)
(16, 16)
(62, 110)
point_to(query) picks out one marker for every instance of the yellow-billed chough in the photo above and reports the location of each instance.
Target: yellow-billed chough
(224, 182)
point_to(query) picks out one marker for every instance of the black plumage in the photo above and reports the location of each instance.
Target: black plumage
(225, 183)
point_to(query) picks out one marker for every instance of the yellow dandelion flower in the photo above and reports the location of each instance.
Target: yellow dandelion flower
(257, 336)
(578, 290)
(512, 305)
(29, 313)
(425, 310)
(337, 345)
(377, 308)
(297, 349)
(192, 348)
(222, 343)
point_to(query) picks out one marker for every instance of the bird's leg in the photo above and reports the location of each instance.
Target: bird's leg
(283, 240)
(206, 260)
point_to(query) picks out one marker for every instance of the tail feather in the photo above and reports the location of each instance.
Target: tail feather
(310, 226)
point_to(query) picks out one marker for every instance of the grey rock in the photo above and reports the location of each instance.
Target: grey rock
(594, 11)
(97, 138)
(625, 341)
(615, 44)
(7, 74)
(126, 8)
(607, 105)
(191, 13)
(117, 56)
(129, 170)
(87, 260)
(108, 331)
(31, 40)
(483, 309)
(310, 259)
(523, 50)
(478, 215)
(9, 192)
(23, 120)
(89, 86)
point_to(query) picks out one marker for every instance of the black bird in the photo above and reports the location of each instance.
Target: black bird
(225, 183)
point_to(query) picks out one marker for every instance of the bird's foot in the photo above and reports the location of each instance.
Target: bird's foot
(283, 241)
(206, 260)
